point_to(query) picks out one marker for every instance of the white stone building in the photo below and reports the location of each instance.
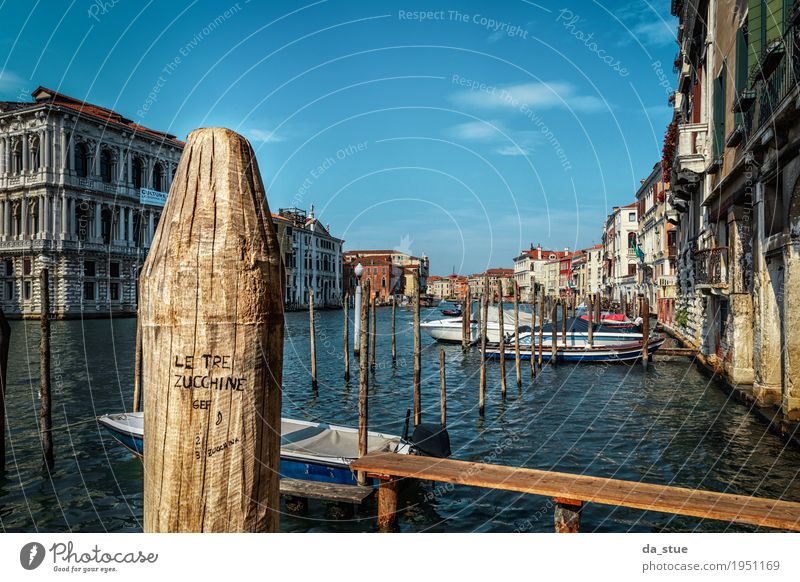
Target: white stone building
(317, 261)
(81, 191)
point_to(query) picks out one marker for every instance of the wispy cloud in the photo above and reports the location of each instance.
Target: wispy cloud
(264, 136)
(477, 131)
(10, 81)
(495, 133)
(546, 95)
(513, 150)
(647, 25)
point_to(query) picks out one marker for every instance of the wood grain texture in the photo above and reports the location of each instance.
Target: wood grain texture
(326, 491)
(646, 496)
(363, 378)
(5, 342)
(417, 353)
(45, 402)
(346, 337)
(212, 347)
(502, 347)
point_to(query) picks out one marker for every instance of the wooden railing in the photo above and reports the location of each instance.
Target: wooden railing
(570, 492)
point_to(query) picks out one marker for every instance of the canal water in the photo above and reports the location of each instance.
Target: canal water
(670, 424)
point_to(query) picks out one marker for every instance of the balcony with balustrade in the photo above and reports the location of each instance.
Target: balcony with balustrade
(711, 268)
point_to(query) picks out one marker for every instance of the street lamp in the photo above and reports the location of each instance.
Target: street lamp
(359, 270)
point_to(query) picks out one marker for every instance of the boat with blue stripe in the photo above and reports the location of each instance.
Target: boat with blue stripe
(310, 451)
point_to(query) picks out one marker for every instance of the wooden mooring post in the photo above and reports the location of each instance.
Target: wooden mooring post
(417, 354)
(5, 342)
(137, 364)
(212, 317)
(313, 333)
(45, 403)
(516, 335)
(645, 331)
(501, 323)
(564, 305)
(541, 330)
(484, 317)
(533, 333)
(346, 337)
(363, 379)
(589, 316)
(554, 334)
(373, 331)
(567, 515)
(394, 337)
(598, 309)
(442, 389)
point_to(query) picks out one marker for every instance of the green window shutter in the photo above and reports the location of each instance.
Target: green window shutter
(742, 67)
(774, 20)
(719, 112)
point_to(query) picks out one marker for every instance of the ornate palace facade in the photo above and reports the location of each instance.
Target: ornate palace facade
(81, 192)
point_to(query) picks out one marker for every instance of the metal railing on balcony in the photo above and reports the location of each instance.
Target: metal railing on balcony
(774, 82)
(711, 266)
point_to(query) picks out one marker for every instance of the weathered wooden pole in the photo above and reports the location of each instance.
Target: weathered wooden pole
(501, 323)
(137, 364)
(313, 333)
(645, 331)
(541, 329)
(394, 338)
(598, 308)
(484, 317)
(466, 320)
(5, 342)
(567, 515)
(533, 334)
(516, 335)
(589, 314)
(45, 404)
(387, 504)
(373, 332)
(554, 334)
(363, 379)
(442, 389)
(624, 306)
(564, 304)
(417, 354)
(346, 336)
(212, 347)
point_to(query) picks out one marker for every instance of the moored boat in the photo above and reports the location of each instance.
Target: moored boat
(311, 451)
(619, 352)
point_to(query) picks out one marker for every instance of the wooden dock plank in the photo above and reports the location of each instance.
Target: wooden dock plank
(637, 495)
(325, 491)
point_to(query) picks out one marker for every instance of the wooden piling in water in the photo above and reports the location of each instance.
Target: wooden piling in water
(589, 315)
(5, 342)
(363, 379)
(394, 338)
(387, 504)
(45, 404)
(623, 304)
(501, 323)
(597, 309)
(564, 304)
(533, 332)
(313, 334)
(645, 331)
(137, 364)
(373, 331)
(567, 515)
(484, 316)
(554, 334)
(417, 354)
(541, 330)
(212, 316)
(346, 336)
(516, 335)
(442, 389)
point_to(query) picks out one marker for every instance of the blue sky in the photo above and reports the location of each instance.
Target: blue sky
(463, 130)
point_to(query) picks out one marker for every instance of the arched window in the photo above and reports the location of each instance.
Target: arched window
(158, 177)
(107, 165)
(17, 158)
(82, 160)
(138, 169)
(36, 157)
(631, 240)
